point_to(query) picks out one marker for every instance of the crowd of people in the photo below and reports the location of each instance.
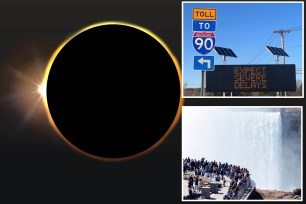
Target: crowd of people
(215, 171)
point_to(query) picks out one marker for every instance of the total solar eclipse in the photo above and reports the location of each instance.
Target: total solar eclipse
(113, 91)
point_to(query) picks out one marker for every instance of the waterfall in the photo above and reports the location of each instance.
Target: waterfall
(257, 136)
(249, 137)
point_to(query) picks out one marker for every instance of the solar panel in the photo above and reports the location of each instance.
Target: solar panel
(225, 51)
(277, 51)
(232, 53)
(283, 52)
(273, 51)
(219, 51)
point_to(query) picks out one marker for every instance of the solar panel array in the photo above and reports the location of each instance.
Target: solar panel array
(225, 51)
(277, 51)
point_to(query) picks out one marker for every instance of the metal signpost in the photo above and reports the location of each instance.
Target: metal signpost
(203, 40)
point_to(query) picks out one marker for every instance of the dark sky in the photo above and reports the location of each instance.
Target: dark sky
(32, 157)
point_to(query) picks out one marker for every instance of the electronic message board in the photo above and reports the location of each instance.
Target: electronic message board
(252, 78)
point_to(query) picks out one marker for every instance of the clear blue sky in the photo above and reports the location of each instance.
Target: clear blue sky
(246, 28)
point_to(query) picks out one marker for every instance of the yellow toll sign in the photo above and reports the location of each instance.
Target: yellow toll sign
(204, 14)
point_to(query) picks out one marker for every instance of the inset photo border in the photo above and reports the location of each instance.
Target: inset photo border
(243, 49)
(239, 153)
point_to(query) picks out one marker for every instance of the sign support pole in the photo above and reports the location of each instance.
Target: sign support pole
(203, 84)
(224, 62)
(281, 32)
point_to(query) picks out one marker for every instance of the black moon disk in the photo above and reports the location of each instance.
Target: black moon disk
(113, 91)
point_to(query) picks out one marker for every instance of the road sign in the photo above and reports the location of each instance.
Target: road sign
(204, 14)
(199, 25)
(252, 78)
(203, 42)
(205, 63)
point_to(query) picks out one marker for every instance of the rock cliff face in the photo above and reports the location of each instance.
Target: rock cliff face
(291, 121)
(275, 195)
(291, 148)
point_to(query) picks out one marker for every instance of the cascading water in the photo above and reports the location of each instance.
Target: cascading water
(260, 135)
(249, 137)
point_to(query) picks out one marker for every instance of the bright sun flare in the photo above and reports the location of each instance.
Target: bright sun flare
(42, 90)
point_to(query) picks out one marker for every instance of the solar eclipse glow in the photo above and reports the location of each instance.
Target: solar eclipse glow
(91, 96)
